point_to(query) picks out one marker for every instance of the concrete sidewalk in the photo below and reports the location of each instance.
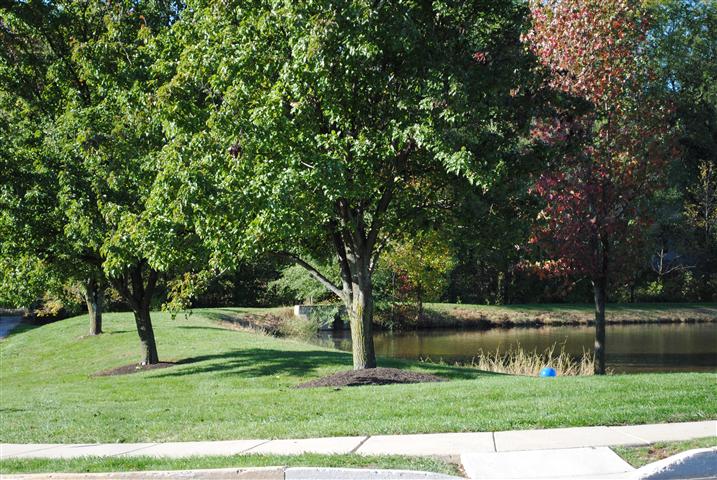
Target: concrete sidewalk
(593, 463)
(568, 463)
(438, 444)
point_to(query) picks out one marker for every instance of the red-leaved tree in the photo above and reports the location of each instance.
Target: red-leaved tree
(610, 134)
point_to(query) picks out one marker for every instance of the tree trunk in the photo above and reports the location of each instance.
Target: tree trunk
(138, 296)
(94, 297)
(146, 335)
(509, 284)
(419, 301)
(600, 288)
(361, 315)
(500, 289)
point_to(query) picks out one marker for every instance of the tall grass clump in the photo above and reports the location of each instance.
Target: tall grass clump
(519, 361)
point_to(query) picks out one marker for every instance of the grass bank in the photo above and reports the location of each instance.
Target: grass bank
(236, 384)
(130, 464)
(442, 315)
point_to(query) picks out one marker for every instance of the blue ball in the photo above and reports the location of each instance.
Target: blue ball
(548, 372)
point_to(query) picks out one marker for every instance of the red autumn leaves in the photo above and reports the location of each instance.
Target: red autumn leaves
(610, 155)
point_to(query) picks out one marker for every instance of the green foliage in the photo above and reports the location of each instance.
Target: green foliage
(297, 286)
(297, 327)
(267, 146)
(701, 206)
(79, 95)
(22, 280)
(682, 43)
(421, 265)
(318, 129)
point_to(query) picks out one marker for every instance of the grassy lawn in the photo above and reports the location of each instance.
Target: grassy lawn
(639, 456)
(115, 464)
(465, 314)
(238, 384)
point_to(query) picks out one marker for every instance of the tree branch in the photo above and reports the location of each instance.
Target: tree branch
(314, 273)
(149, 289)
(380, 210)
(344, 266)
(386, 197)
(377, 254)
(120, 284)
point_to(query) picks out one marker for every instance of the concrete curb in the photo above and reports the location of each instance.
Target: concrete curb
(262, 473)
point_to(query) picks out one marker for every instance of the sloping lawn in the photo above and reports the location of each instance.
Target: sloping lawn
(238, 384)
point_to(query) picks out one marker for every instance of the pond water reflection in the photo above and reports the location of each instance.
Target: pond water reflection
(630, 348)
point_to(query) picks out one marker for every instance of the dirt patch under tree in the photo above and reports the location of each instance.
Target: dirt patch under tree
(132, 368)
(371, 376)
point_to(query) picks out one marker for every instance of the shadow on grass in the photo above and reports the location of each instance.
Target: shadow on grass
(114, 332)
(224, 315)
(260, 362)
(189, 327)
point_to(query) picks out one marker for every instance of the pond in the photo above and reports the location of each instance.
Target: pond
(630, 348)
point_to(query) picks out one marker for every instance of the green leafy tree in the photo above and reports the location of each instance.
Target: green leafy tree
(319, 129)
(683, 48)
(421, 265)
(79, 79)
(36, 256)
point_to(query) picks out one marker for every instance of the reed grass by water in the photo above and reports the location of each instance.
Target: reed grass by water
(519, 361)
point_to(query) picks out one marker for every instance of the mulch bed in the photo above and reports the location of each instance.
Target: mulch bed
(132, 368)
(371, 376)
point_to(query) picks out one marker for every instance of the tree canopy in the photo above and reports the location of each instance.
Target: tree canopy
(302, 125)
(82, 143)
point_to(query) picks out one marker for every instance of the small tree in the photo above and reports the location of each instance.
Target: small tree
(612, 135)
(421, 265)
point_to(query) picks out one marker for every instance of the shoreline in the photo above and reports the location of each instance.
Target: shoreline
(274, 320)
(448, 323)
(481, 317)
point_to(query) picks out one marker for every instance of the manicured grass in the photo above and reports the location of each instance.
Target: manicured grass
(639, 456)
(127, 464)
(238, 384)
(444, 314)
